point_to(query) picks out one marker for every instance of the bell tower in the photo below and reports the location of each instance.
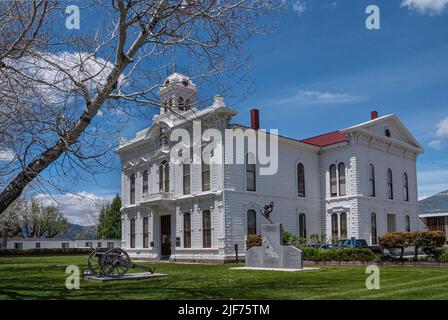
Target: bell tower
(178, 94)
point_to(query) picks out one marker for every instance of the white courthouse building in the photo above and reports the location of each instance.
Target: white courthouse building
(356, 182)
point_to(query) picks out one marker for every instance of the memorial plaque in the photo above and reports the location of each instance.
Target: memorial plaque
(291, 258)
(254, 257)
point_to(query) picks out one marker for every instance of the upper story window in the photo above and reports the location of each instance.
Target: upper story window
(163, 141)
(300, 180)
(187, 104)
(387, 133)
(342, 180)
(405, 187)
(132, 189)
(145, 182)
(333, 181)
(371, 180)
(390, 185)
(251, 184)
(186, 178)
(205, 168)
(164, 177)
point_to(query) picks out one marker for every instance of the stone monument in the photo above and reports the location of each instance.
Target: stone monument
(273, 254)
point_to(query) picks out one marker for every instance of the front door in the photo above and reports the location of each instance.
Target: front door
(165, 232)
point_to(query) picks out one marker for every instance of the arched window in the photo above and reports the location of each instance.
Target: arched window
(187, 230)
(181, 104)
(132, 189)
(251, 222)
(408, 224)
(372, 180)
(186, 178)
(206, 229)
(333, 181)
(300, 180)
(205, 176)
(145, 182)
(374, 233)
(302, 225)
(405, 187)
(387, 133)
(343, 228)
(334, 226)
(390, 184)
(132, 233)
(164, 177)
(145, 232)
(342, 184)
(251, 183)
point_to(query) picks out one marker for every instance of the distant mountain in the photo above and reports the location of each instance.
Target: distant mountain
(84, 232)
(435, 204)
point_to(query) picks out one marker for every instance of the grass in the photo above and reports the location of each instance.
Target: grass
(44, 278)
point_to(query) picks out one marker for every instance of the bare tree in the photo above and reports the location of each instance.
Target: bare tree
(58, 95)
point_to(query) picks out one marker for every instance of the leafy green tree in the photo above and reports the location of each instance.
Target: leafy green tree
(109, 220)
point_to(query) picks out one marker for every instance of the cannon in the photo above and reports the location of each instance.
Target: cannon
(112, 262)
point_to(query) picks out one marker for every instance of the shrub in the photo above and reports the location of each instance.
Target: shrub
(444, 257)
(36, 252)
(318, 238)
(290, 239)
(253, 240)
(395, 240)
(345, 254)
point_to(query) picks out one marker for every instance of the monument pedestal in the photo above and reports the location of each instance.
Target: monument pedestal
(272, 254)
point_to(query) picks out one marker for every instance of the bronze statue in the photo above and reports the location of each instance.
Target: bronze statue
(267, 210)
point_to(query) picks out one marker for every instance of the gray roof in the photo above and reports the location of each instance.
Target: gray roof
(436, 203)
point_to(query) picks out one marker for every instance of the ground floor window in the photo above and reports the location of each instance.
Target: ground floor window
(436, 223)
(145, 232)
(18, 245)
(37, 245)
(302, 226)
(187, 230)
(206, 229)
(132, 233)
(391, 225)
(110, 245)
(251, 222)
(408, 224)
(65, 245)
(373, 230)
(339, 226)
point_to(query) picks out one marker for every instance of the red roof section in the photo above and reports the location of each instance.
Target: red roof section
(326, 139)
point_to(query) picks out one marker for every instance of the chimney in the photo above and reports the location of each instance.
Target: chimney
(374, 115)
(255, 119)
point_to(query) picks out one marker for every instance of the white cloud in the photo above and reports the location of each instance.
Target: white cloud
(436, 144)
(80, 208)
(299, 6)
(426, 6)
(442, 128)
(7, 155)
(304, 97)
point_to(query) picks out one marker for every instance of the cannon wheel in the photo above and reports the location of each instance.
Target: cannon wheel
(94, 262)
(115, 262)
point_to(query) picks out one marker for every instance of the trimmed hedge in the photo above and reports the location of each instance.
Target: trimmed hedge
(428, 240)
(344, 254)
(37, 252)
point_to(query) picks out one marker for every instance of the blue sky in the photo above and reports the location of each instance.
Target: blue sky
(321, 70)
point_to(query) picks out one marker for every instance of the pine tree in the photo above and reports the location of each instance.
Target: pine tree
(109, 220)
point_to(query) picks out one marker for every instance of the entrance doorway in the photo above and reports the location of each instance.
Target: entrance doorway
(165, 233)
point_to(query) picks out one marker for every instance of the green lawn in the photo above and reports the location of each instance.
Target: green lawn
(44, 278)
